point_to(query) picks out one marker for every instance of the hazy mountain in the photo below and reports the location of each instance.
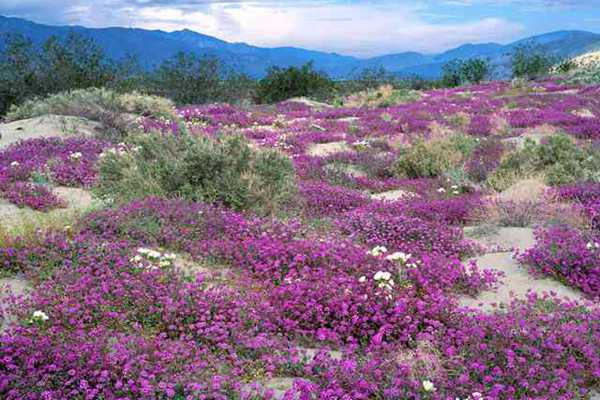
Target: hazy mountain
(153, 46)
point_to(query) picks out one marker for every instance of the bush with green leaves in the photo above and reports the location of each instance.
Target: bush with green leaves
(223, 170)
(460, 72)
(428, 159)
(558, 158)
(530, 62)
(284, 83)
(117, 112)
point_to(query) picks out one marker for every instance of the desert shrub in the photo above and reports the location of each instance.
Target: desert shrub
(565, 162)
(460, 72)
(484, 160)
(223, 170)
(114, 110)
(281, 84)
(381, 96)
(530, 62)
(427, 159)
(558, 158)
(189, 79)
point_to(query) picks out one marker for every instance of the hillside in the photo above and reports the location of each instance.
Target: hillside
(120, 42)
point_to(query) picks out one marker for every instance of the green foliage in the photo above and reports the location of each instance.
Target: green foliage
(59, 65)
(189, 79)
(107, 106)
(432, 158)
(224, 170)
(284, 83)
(530, 62)
(559, 159)
(460, 72)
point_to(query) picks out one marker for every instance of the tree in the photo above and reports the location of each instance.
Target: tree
(284, 83)
(460, 72)
(475, 70)
(530, 62)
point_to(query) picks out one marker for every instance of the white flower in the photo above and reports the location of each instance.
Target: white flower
(382, 276)
(477, 395)
(15, 164)
(455, 192)
(399, 256)
(592, 245)
(136, 259)
(428, 386)
(164, 263)
(40, 316)
(75, 156)
(441, 190)
(454, 187)
(362, 279)
(377, 251)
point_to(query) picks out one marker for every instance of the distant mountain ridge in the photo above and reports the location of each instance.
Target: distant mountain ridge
(153, 46)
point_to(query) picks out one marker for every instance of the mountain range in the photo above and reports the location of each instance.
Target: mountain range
(151, 47)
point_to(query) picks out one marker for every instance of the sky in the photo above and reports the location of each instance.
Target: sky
(359, 28)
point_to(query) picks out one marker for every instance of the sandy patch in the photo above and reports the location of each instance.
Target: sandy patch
(46, 126)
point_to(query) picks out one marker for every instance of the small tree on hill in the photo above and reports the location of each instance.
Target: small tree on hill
(284, 83)
(530, 62)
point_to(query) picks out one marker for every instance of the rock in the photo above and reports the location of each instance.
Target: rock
(537, 134)
(517, 282)
(279, 386)
(78, 200)
(311, 352)
(46, 126)
(393, 195)
(503, 239)
(325, 149)
(348, 169)
(16, 286)
(309, 102)
(526, 190)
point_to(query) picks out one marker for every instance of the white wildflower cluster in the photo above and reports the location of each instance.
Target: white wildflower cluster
(362, 144)
(383, 280)
(377, 251)
(402, 258)
(15, 164)
(119, 150)
(75, 156)
(39, 316)
(474, 396)
(428, 386)
(152, 259)
(455, 189)
(592, 246)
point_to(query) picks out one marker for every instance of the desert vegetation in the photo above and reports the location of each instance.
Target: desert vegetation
(389, 241)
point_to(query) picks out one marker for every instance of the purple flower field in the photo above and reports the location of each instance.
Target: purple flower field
(353, 291)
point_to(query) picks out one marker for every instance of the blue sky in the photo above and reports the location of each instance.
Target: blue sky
(360, 28)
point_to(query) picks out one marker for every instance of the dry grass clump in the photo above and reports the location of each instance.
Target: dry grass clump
(384, 95)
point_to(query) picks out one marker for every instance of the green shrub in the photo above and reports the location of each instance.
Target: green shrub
(224, 170)
(460, 72)
(430, 159)
(530, 62)
(112, 109)
(559, 159)
(284, 83)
